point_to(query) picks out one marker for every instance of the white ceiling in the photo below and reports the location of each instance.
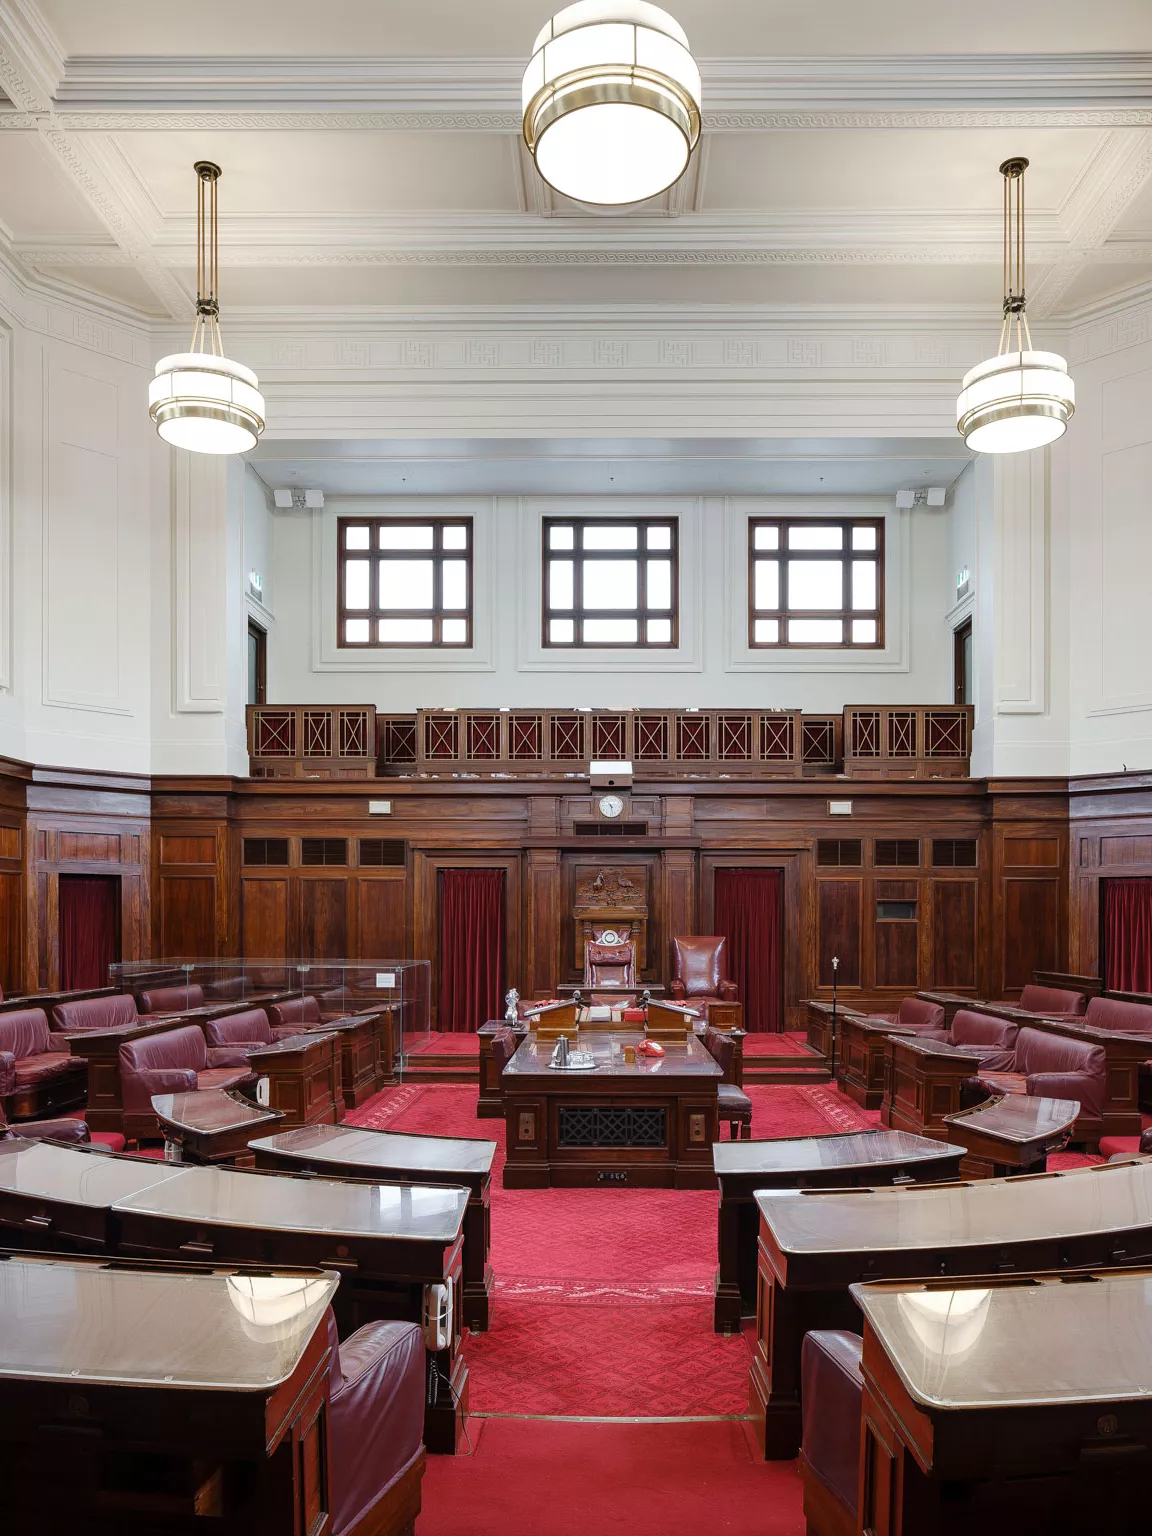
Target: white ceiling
(371, 155)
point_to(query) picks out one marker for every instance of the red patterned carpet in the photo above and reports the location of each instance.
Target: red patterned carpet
(462, 1044)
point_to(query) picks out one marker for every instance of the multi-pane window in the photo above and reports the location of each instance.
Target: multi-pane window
(816, 582)
(610, 582)
(404, 581)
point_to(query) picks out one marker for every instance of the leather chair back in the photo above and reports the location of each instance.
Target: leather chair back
(701, 962)
(24, 1032)
(832, 1386)
(1112, 1013)
(917, 1014)
(295, 1010)
(83, 1013)
(1036, 999)
(182, 1049)
(610, 965)
(504, 1045)
(248, 1028)
(1038, 1053)
(170, 999)
(983, 1029)
(722, 1048)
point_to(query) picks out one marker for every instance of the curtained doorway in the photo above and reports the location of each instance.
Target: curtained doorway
(471, 948)
(1126, 935)
(89, 929)
(748, 908)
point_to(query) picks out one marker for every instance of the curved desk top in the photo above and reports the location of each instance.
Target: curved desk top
(346, 1146)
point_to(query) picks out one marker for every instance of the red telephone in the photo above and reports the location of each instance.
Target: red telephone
(649, 1048)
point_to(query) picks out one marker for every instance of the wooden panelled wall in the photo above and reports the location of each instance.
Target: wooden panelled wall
(878, 889)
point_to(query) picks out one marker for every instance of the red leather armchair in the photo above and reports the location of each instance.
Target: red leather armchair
(170, 999)
(1125, 1018)
(1052, 1002)
(915, 1013)
(1051, 1066)
(700, 965)
(831, 1391)
(35, 1077)
(85, 1013)
(610, 965)
(735, 1105)
(377, 1428)
(300, 1012)
(176, 1061)
(979, 1032)
(245, 1031)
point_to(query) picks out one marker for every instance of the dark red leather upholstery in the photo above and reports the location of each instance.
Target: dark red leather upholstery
(176, 1061)
(28, 1054)
(700, 963)
(831, 1389)
(377, 1415)
(248, 1029)
(735, 1105)
(1125, 1018)
(113, 1012)
(1050, 1066)
(979, 1029)
(66, 1129)
(1115, 1148)
(610, 965)
(1052, 1001)
(170, 999)
(915, 1013)
(294, 1011)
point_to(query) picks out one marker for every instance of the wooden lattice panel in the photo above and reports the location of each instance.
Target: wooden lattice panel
(908, 741)
(734, 738)
(566, 738)
(651, 732)
(902, 733)
(609, 738)
(441, 737)
(777, 738)
(398, 740)
(355, 734)
(311, 740)
(317, 725)
(865, 733)
(946, 733)
(526, 737)
(272, 733)
(482, 737)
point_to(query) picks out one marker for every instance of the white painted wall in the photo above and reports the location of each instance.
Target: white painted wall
(713, 665)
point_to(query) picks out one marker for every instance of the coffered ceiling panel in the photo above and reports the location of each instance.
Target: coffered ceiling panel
(921, 170)
(331, 173)
(507, 27)
(37, 198)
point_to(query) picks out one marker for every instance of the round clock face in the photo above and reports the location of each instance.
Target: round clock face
(611, 805)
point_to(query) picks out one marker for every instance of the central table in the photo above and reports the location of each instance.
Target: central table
(803, 1162)
(1007, 1409)
(388, 1242)
(815, 1244)
(141, 1401)
(650, 1122)
(345, 1151)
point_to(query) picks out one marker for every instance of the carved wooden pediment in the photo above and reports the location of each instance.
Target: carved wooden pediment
(613, 888)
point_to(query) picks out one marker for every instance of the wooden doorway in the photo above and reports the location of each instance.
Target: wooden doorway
(89, 929)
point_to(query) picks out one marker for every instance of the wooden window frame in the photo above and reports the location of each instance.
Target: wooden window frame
(375, 611)
(579, 555)
(844, 555)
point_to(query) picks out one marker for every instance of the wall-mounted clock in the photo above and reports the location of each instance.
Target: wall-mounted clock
(611, 806)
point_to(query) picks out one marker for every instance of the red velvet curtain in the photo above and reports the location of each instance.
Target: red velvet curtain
(89, 929)
(1128, 935)
(748, 910)
(471, 948)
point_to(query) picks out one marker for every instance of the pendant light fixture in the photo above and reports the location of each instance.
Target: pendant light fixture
(1018, 399)
(611, 101)
(199, 399)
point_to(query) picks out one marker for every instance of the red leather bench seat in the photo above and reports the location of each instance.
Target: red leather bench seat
(115, 1012)
(915, 1013)
(246, 1030)
(175, 1061)
(170, 999)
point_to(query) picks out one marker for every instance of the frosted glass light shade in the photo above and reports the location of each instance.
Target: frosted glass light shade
(1016, 401)
(206, 404)
(611, 101)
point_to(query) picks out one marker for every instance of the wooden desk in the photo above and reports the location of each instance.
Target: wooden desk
(101, 1048)
(386, 1241)
(211, 1125)
(343, 1151)
(1011, 1134)
(922, 1083)
(862, 1057)
(59, 1198)
(358, 1041)
(814, 1245)
(136, 1402)
(304, 1078)
(647, 1123)
(1008, 1408)
(490, 1105)
(802, 1162)
(818, 1025)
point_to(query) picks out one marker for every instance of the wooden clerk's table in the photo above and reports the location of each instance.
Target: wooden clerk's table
(343, 1151)
(387, 1242)
(1007, 1408)
(102, 1368)
(211, 1125)
(651, 1122)
(815, 1244)
(803, 1162)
